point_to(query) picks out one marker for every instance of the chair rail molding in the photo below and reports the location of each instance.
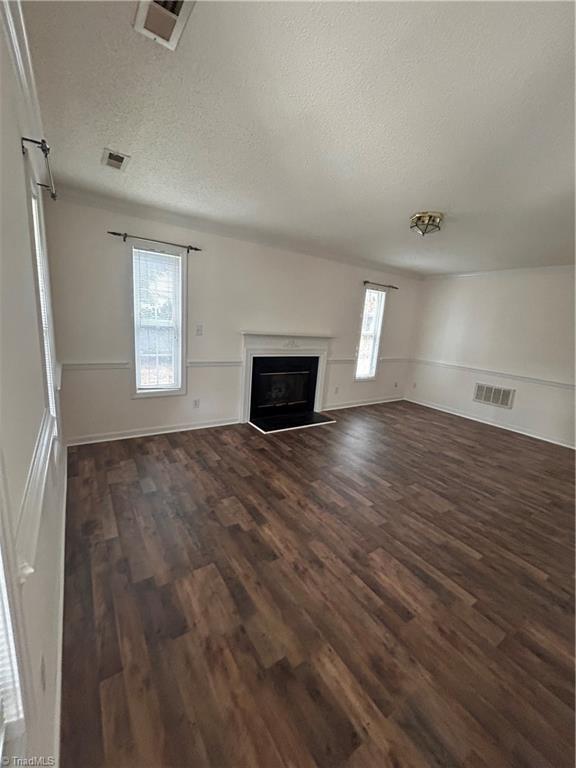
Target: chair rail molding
(112, 365)
(95, 365)
(491, 372)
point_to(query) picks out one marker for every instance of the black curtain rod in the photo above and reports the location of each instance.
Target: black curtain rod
(369, 282)
(125, 236)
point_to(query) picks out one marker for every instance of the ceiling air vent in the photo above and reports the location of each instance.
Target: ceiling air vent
(163, 20)
(114, 159)
(485, 393)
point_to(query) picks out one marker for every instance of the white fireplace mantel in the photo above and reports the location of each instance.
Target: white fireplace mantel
(276, 344)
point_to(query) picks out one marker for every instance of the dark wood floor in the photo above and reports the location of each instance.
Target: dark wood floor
(391, 590)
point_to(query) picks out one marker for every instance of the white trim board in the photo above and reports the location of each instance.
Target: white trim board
(152, 431)
(358, 403)
(491, 372)
(291, 429)
(104, 365)
(192, 363)
(61, 575)
(214, 363)
(288, 334)
(112, 365)
(105, 437)
(33, 497)
(495, 272)
(352, 360)
(462, 415)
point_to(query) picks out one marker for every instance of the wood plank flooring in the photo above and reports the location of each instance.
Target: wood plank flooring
(391, 591)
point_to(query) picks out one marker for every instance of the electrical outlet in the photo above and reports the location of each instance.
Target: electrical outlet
(199, 329)
(336, 390)
(196, 403)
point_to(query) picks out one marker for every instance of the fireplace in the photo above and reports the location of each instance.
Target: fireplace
(283, 392)
(282, 385)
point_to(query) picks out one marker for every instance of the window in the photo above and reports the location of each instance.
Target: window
(367, 359)
(11, 714)
(158, 322)
(43, 283)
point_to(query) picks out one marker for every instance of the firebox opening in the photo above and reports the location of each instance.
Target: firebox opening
(283, 393)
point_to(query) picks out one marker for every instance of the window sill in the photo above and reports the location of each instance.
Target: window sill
(365, 378)
(158, 393)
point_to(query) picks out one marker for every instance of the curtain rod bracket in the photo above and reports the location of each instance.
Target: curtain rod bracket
(42, 145)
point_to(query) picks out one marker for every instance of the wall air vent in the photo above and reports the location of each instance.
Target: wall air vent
(114, 159)
(163, 20)
(485, 393)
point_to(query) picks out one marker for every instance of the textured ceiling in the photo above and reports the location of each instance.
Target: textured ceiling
(323, 126)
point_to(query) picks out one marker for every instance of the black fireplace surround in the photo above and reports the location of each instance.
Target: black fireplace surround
(283, 393)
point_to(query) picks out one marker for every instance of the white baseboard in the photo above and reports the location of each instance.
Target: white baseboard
(456, 412)
(151, 431)
(104, 437)
(357, 403)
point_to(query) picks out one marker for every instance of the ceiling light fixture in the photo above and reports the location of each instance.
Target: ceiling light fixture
(426, 222)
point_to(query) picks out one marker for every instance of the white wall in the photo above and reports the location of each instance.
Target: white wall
(509, 328)
(513, 328)
(232, 286)
(32, 481)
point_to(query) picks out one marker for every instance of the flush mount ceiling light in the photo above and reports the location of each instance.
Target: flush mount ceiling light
(426, 222)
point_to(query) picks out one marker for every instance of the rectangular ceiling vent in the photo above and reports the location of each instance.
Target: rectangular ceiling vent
(485, 393)
(163, 20)
(114, 159)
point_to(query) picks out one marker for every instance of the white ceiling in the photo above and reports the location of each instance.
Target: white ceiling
(324, 126)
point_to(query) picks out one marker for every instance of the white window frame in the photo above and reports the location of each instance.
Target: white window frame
(43, 300)
(370, 287)
(183, 256)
